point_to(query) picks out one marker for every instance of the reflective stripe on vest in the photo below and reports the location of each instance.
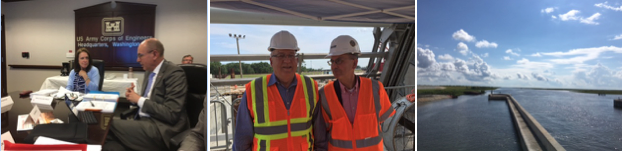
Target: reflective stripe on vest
(267, 130)
(360, 143)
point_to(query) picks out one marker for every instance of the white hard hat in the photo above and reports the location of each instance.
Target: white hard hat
(343, 44)
(283, 40)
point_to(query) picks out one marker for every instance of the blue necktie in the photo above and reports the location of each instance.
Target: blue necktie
(146, 93)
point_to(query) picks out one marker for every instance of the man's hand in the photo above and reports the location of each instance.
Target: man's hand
(83, 74)
(131, 95)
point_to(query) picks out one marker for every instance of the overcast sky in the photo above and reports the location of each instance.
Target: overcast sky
(311, 39)
(532, 43)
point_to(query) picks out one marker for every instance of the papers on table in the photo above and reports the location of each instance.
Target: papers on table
(101, 97)
(43, 102)
(104, 102)
(42, 140)
(44, 92)
(24, 122)
(7, 136)
(7, 104)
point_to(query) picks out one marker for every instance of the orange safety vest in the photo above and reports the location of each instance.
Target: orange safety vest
(365, 133)
(275, 127)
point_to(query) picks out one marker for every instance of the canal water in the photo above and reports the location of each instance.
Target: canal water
(578, 121)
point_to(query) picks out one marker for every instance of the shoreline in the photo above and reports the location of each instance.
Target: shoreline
(431, 98)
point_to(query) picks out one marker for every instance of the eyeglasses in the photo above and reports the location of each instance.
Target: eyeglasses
(335, 62)
(141, 55)
(282, 56)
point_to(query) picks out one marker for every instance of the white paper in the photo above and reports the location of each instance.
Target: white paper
(44, 92)
(43, 102)
(101, 97)
(7, 103)
(7, 136)
(35, 113)
(104, 106)
(42, 140)
(24, 123)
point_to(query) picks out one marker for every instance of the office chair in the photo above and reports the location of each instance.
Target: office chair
(100, 66)
(196, 77)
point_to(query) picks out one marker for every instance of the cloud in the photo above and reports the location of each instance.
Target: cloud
(509, 51)
(463, 36)
(446, 57)
(590, 20)
(582, 54)
(485, 44)
(539, 77)
(548, 10)
(425, 57)
(474, 70)
(526, 64)
(522, 76)
(536, 55)
(553, 16)
(604, 5)
(618, 37)
(506, 58)
(463, 48)
(571, 15)
(485, 55)
(598, 76)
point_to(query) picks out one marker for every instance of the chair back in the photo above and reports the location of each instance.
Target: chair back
(196, 76)
(100, 66)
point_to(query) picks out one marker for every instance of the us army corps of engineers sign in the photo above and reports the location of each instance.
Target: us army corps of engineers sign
(112, 34)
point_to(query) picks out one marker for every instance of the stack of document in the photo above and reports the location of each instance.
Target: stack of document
(43, 102)
(104, 102)
(44, 92)
(7, 104)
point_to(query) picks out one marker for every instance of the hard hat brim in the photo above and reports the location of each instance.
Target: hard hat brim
(339, 54)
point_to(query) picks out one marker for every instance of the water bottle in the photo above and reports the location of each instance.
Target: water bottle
(130, 75)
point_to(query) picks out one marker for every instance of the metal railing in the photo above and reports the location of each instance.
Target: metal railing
(223, 124)
(301, 58)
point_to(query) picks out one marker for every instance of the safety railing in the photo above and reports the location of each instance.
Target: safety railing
(219, 116)
(301, 58)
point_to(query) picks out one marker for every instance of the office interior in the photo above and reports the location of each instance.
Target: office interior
(46, 30)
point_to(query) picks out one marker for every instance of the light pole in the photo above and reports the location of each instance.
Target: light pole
(237, 39)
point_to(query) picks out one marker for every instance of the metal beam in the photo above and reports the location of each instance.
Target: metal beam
(221, 82)
(260, 57)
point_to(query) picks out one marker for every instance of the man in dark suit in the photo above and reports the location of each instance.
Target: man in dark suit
(195, 141)
(161, 113)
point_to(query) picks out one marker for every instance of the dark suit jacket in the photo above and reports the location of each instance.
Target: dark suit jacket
(166, 105)
(195, 141)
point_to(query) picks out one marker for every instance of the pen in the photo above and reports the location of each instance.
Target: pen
(92, 103)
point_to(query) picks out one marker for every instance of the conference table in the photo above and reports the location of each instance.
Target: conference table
(96, 132)
(109, 85)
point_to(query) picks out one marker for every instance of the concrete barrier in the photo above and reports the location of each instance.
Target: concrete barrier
(617, 103)
(532, 135)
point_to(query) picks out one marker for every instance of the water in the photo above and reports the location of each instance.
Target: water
(578, 121)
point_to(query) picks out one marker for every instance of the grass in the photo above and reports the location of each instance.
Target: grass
(587, 91)
(454, 90)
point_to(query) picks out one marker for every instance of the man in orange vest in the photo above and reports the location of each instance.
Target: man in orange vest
(352, 107)
(276, 110)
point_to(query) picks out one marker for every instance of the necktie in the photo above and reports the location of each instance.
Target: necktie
(146, 94)
(147, 89)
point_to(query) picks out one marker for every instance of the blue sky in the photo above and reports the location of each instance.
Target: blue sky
(532, 43)
(311, 39)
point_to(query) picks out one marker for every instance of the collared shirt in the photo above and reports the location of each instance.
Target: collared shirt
(141, 101)
(350, 99)
(243, 139)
